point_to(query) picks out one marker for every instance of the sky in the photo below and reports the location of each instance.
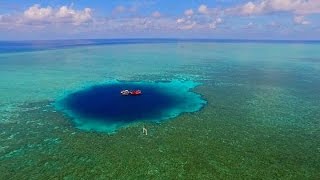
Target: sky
(211, 19)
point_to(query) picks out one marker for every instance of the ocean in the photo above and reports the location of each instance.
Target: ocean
(213, 109)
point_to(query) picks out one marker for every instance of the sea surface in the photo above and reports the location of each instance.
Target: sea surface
(247, 109)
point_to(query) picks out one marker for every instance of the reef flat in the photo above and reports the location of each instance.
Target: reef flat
(258, 117)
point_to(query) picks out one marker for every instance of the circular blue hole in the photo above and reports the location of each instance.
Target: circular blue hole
(102, 107)
(106, 103)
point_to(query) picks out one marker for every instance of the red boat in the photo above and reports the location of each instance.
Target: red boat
(135, 92)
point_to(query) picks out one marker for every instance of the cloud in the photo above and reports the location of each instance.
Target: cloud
(300, 20)
(203, 9)
(5, 22)
(188, 12)
(203, 18)
(273, 6)
(35, 12)
(119, 9)
(129, 18)
(52, 19)
(250, 8)
(125, 10)
(297, 8)
(180, 20)
(188, 23)
(156, 14)
(185, 24)
(138, 24)
(250, 25)
(215, 23)
(37, 15)
(65, 14)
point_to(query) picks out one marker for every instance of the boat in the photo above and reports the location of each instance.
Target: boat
(135, 92)
(125, 92)
(132, 93)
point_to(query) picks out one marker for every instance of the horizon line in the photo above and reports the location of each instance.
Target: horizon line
(173, 39)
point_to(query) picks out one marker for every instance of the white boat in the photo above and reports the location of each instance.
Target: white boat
(125, 92)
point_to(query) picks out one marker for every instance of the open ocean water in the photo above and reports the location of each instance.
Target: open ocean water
(231, 109)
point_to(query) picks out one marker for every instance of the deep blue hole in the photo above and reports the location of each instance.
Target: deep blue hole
(105, 102)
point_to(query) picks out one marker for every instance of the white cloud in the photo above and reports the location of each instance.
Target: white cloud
(215, 23)
(137, 24)
(48, 15)
(64, 18)
(185, 24)
(4, 18)
(156, 14)
(47, 18)
(270, 6)
(36, 12)
(300, 20)
(124, 10)
(188, 12)
(180, 20)
(6, 21)
(251, 8)
(203, 9)
(119, 9)
(219, 20)
(308, 7)
(188, 26)
(203, 18)
(250, 25)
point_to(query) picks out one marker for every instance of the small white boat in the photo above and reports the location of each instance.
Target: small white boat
(125, 92)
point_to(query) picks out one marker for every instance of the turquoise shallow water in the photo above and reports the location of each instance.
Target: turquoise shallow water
(261, 119)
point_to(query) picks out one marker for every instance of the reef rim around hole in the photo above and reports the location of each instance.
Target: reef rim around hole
(101, 107)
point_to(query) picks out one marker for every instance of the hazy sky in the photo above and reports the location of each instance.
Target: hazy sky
(219, 19)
